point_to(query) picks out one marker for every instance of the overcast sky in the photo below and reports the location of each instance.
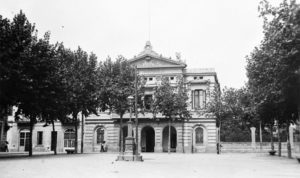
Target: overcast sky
(208, 34)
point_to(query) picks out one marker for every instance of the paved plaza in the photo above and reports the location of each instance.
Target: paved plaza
(155, 165)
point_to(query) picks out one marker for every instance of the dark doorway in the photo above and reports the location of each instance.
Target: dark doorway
(148, 139)
(166, 139)
(53, 140)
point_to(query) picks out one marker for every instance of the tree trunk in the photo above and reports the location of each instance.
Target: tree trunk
(121, 134)
(260, 136)
(183, 136)
(54, 135)
(169, 142)
(76, 132)
(219, 140)
(272, 141)
(82, 132)
(289, 150)
(279, 141)
(30, 138)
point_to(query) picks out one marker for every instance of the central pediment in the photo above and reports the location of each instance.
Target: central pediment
(150, 59)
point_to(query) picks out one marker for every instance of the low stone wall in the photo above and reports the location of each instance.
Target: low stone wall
(249, 147)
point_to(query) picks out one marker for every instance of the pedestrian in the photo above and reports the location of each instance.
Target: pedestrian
(102, 146)
(6, 146)
(219, 146)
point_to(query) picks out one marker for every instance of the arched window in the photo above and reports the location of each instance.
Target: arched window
(69, 138)
(199, 135)
(100, 135)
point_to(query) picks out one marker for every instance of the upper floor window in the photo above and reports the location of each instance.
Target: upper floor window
(199, 101)
(198, 77)
(148, 101)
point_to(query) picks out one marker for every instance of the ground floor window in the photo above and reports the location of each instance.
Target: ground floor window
(39, 137)
(24, 139)
(100, 135)
(69, 138)
(199, 135)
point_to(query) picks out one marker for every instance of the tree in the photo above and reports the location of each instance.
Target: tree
(273, 67)
(171, 101)
(233, 109)
(116, 85)
(54, 108)
(15, 38)
(80, 82)
(37, 70)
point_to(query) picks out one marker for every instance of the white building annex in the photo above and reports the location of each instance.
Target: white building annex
(197, 134)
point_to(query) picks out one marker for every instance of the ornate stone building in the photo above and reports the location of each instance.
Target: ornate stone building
(197, 134)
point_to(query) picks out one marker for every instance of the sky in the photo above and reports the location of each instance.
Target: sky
(215, 34)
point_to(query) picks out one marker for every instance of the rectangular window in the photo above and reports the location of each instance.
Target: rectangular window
(148, 101)
(24, 138)
(196, 99)
(40, 138)
(199, 99)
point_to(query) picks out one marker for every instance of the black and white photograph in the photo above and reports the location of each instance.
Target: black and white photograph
(149, 88)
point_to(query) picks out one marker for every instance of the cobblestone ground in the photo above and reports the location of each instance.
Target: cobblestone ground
(156, 165)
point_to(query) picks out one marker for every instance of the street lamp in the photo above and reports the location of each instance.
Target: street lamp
(129, 154)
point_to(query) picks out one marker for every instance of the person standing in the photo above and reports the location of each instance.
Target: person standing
(6, 146)
(102, 146)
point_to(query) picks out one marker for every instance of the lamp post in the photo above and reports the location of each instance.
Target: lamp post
(129, 154)
(137, 156)
(129, 123)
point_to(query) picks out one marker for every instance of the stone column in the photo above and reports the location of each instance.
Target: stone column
(253, 144)
(158, 139)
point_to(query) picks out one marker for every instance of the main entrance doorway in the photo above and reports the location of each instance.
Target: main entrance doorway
(148, 139)
(166, 139)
